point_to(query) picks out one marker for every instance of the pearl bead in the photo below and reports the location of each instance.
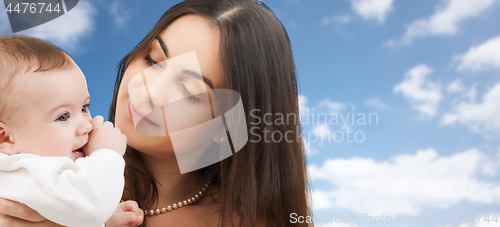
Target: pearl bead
(181, 203)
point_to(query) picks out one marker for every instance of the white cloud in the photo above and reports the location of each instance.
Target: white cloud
(471, 94)
(372, 9)
(424, 95)
(376, 102)
(322, 131)
(309, 149)
(332, 106)
(481, 57)
(480, 117)
(445, 21)
(456, 86)
(119, 13)
(303, 109)
(405, 184)
(337, 20)
(302, 102)
(68, 30)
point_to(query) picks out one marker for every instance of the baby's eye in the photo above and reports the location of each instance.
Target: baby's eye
(63, 117)
(85, 108)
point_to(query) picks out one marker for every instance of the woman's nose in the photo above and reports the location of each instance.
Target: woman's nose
(85, 127)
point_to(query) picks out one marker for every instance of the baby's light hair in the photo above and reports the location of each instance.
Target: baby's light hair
(19, 55)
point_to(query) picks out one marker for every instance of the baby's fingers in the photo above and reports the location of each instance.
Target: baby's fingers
(108, 124)
(133, 219)
(133, 212)
(118, 131)
(97, 121)
(132, 206)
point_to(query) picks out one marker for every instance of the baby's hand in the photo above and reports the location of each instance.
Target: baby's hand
(105, 135)
(127, 214)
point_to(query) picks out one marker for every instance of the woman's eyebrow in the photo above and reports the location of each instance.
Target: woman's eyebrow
(163, 46)
(198, 76)
(187, 72)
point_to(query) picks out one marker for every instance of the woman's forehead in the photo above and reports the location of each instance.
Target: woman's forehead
(192, 33)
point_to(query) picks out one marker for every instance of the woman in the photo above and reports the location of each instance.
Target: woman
(239, 45)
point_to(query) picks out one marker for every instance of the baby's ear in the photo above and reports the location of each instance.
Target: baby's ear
(7, 145)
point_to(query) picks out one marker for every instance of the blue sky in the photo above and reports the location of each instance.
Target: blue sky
(428, 69)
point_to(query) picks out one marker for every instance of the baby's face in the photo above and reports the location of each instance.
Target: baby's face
(54, 119)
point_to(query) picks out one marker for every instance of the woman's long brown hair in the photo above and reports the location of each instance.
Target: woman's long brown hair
(266, 181)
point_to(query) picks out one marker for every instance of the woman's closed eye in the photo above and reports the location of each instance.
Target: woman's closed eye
(191, 98)
(152, 62)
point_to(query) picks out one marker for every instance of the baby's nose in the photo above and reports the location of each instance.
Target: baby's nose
(85, 127)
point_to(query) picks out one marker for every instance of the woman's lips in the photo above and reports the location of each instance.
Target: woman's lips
(137, 116)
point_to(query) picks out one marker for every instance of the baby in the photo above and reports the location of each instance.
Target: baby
(46, 132)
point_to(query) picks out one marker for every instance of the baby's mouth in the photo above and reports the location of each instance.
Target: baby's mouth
(79, 152)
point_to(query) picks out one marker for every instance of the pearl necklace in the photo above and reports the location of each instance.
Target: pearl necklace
(179, 204)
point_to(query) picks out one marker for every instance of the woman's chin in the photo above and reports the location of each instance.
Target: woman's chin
(150, 144)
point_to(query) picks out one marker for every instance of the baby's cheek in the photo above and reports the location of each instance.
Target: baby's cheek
(62, 145)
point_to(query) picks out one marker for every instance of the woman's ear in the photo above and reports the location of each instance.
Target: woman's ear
(7, 145)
